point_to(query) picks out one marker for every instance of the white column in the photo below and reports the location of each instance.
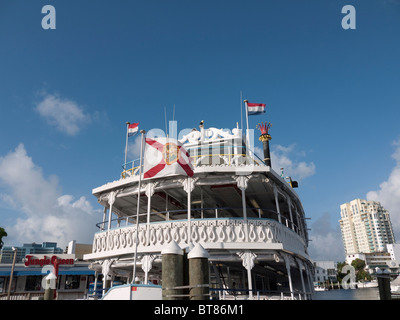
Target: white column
(106, 271)
(166, 207)
(300, 265)
(111, 200)
(147, 264)
(300, 223)
(202, 205)
(188, 186)
(149, 193)
(287, 262)
(96, 274)
(290, 211)
(242, 185)
(310, 279)
(142, 140)
(277, 203)
(104, 218)
(189, 210)
(248, 262)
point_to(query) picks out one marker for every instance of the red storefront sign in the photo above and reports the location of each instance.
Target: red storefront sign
(41, 260)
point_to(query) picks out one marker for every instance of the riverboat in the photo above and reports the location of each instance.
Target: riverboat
(247, 218)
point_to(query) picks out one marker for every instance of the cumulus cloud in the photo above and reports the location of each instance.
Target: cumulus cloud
(66, 115)
(134, 148)
(286, 157)
(326, 240)
(45, 214)
(388, 193)
(282, 157)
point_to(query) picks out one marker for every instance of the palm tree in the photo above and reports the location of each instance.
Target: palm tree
(3, 233)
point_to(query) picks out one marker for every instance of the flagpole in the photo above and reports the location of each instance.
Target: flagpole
(241, 110)
(143, 132)
(247, 114)
(126, 143)
(247, 122)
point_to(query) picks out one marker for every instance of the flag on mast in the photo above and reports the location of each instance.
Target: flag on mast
(255, 108)
(166, 156)
(133, 128)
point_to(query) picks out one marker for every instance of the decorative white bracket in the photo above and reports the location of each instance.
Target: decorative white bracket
(111, 197)
(242, 181)
(189, 183)
(150, 188)
(248, 258)
(147, 262)
(106, 268)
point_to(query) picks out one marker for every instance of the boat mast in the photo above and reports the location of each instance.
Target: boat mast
(143, 132)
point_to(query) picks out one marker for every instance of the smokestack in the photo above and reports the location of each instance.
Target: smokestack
(265, 137)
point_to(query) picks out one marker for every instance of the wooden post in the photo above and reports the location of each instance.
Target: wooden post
(172, 270)
(384, 284)
(199, 277)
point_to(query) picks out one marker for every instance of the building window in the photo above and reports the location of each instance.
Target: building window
(72, 282)
(2, 285)
(33, 283)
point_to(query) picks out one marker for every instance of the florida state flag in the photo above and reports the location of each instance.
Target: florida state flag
(166, 156)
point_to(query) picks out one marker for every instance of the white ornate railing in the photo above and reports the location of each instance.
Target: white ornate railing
(231, 232)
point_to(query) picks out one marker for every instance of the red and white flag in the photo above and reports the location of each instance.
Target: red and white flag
(133, 128)
(255, 108)
(166, 156)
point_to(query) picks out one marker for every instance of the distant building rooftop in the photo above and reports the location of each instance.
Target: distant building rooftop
(7, 252)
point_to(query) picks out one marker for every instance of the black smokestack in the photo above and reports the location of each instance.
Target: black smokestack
(265, 137)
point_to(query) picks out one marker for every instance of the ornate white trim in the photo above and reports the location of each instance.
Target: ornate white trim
(208, 232)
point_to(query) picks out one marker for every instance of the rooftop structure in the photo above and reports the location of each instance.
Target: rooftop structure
(7, 252)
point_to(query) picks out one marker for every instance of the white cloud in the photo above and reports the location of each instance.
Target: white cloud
(326, 240)
(389, 192)
(134, 148)
(46, 214)
(286, 157)
(66, 115)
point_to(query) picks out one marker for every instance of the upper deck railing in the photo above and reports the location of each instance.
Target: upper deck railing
(230, 232)
(200, 213)
(207, 156)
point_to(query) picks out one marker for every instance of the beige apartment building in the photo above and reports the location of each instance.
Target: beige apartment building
(365, 227)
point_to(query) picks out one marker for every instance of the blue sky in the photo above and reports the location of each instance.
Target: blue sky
(332, 96)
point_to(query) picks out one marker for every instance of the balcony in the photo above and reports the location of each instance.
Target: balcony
(212, 233)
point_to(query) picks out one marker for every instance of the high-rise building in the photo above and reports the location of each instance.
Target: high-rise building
(365, 227)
